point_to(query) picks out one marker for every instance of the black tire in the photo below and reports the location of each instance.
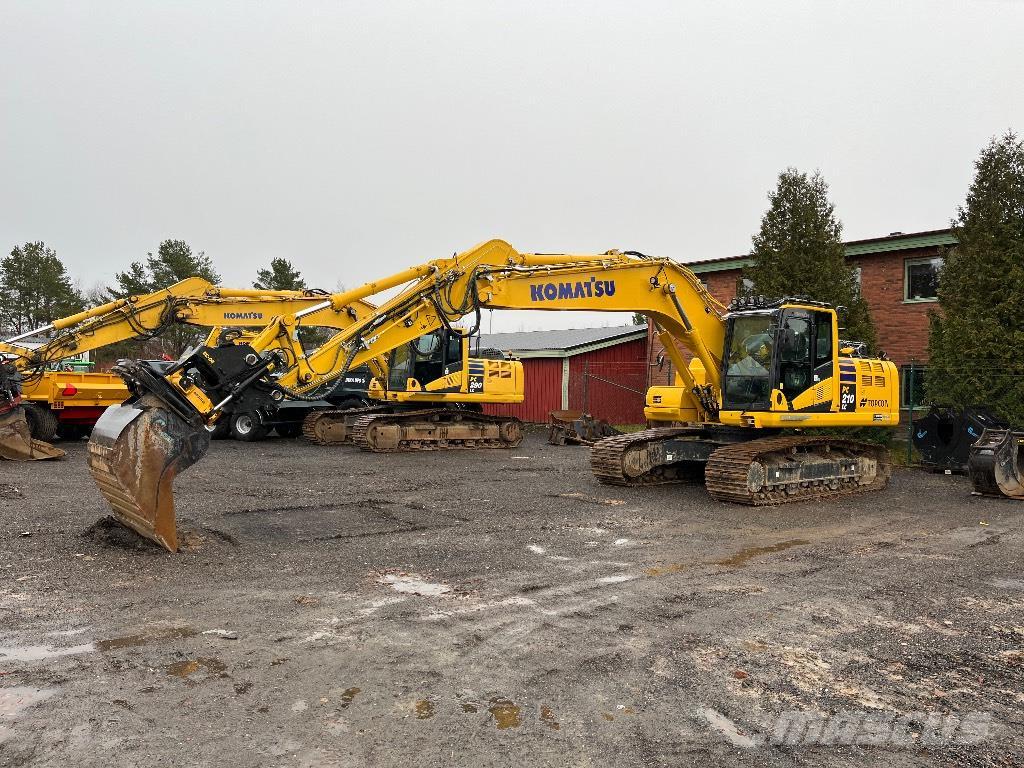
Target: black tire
(289, 429)
(73, 431)
(42, 422)
(248, 427)
(222, 429)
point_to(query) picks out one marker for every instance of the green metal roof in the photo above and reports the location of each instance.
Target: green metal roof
(900, 243)
(938, 237)
(719, 265)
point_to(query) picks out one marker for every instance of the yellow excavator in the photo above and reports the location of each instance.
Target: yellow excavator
(759, 367)
(193, 301)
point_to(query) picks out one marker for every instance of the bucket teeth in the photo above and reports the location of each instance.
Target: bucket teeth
(16, 442)
(135, 452)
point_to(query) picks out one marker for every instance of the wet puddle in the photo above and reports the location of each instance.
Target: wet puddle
(134, 641)
(188, 667)
(737, 560)
(15, 700)
(348, 695)
(547, 716)
(41, 652)
(591, 499)
(740, 558)
(665, 570)
(506, 714)
(424, 709)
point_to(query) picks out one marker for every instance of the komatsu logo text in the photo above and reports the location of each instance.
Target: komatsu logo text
(243, 315)
(580, 289)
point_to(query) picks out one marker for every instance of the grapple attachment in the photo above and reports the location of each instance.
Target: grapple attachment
(996, 463)
(135, 452)
(577, 427)
(16, 443)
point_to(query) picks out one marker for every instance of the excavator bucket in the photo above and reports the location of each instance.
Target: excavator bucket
(16, 443)
(135, 452)
(996, 463)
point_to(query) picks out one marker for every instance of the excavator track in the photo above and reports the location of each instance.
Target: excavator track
(434, 429)
(637, 458)
(780, 470)
(334, 426)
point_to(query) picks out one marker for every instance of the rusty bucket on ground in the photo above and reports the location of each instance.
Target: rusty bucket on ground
(135, 452)
(16, 441)
(577, 428)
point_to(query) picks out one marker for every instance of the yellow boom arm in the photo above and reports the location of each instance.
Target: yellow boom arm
(493, 275)
(193, 301)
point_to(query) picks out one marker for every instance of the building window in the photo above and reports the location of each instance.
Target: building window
(915, 395)
(856, 279)
(921, 279)
(744, 286)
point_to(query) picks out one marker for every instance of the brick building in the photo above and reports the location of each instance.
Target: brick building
(898, 276)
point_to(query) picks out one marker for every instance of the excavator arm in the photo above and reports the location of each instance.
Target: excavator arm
(193, 301)
(494, 276)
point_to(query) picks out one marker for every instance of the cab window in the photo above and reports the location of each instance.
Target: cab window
(749, 362)
(823, 338)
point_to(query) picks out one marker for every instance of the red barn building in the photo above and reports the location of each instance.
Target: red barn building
(898, 276)
(599, 370)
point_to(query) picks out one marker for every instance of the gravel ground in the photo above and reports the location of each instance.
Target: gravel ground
(336, 608)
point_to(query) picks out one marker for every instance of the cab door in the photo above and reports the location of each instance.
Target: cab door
(794, 373)
(806, 359)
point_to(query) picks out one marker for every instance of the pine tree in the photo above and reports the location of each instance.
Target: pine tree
(174, 261)
(35, 289)
(281, 276)
(975, 344)
(799, 252)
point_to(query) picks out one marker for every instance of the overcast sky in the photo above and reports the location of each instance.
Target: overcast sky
(357, 139)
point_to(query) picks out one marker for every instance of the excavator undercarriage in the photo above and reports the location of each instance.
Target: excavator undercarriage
(393, 428)
(759, 472)
(435, 429)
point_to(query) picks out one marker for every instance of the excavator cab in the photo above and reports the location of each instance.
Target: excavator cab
(786, 350)
(782, 367)
(425, 359)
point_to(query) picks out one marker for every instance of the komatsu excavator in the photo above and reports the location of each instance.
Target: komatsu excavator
(193, 301)
(759, 367)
